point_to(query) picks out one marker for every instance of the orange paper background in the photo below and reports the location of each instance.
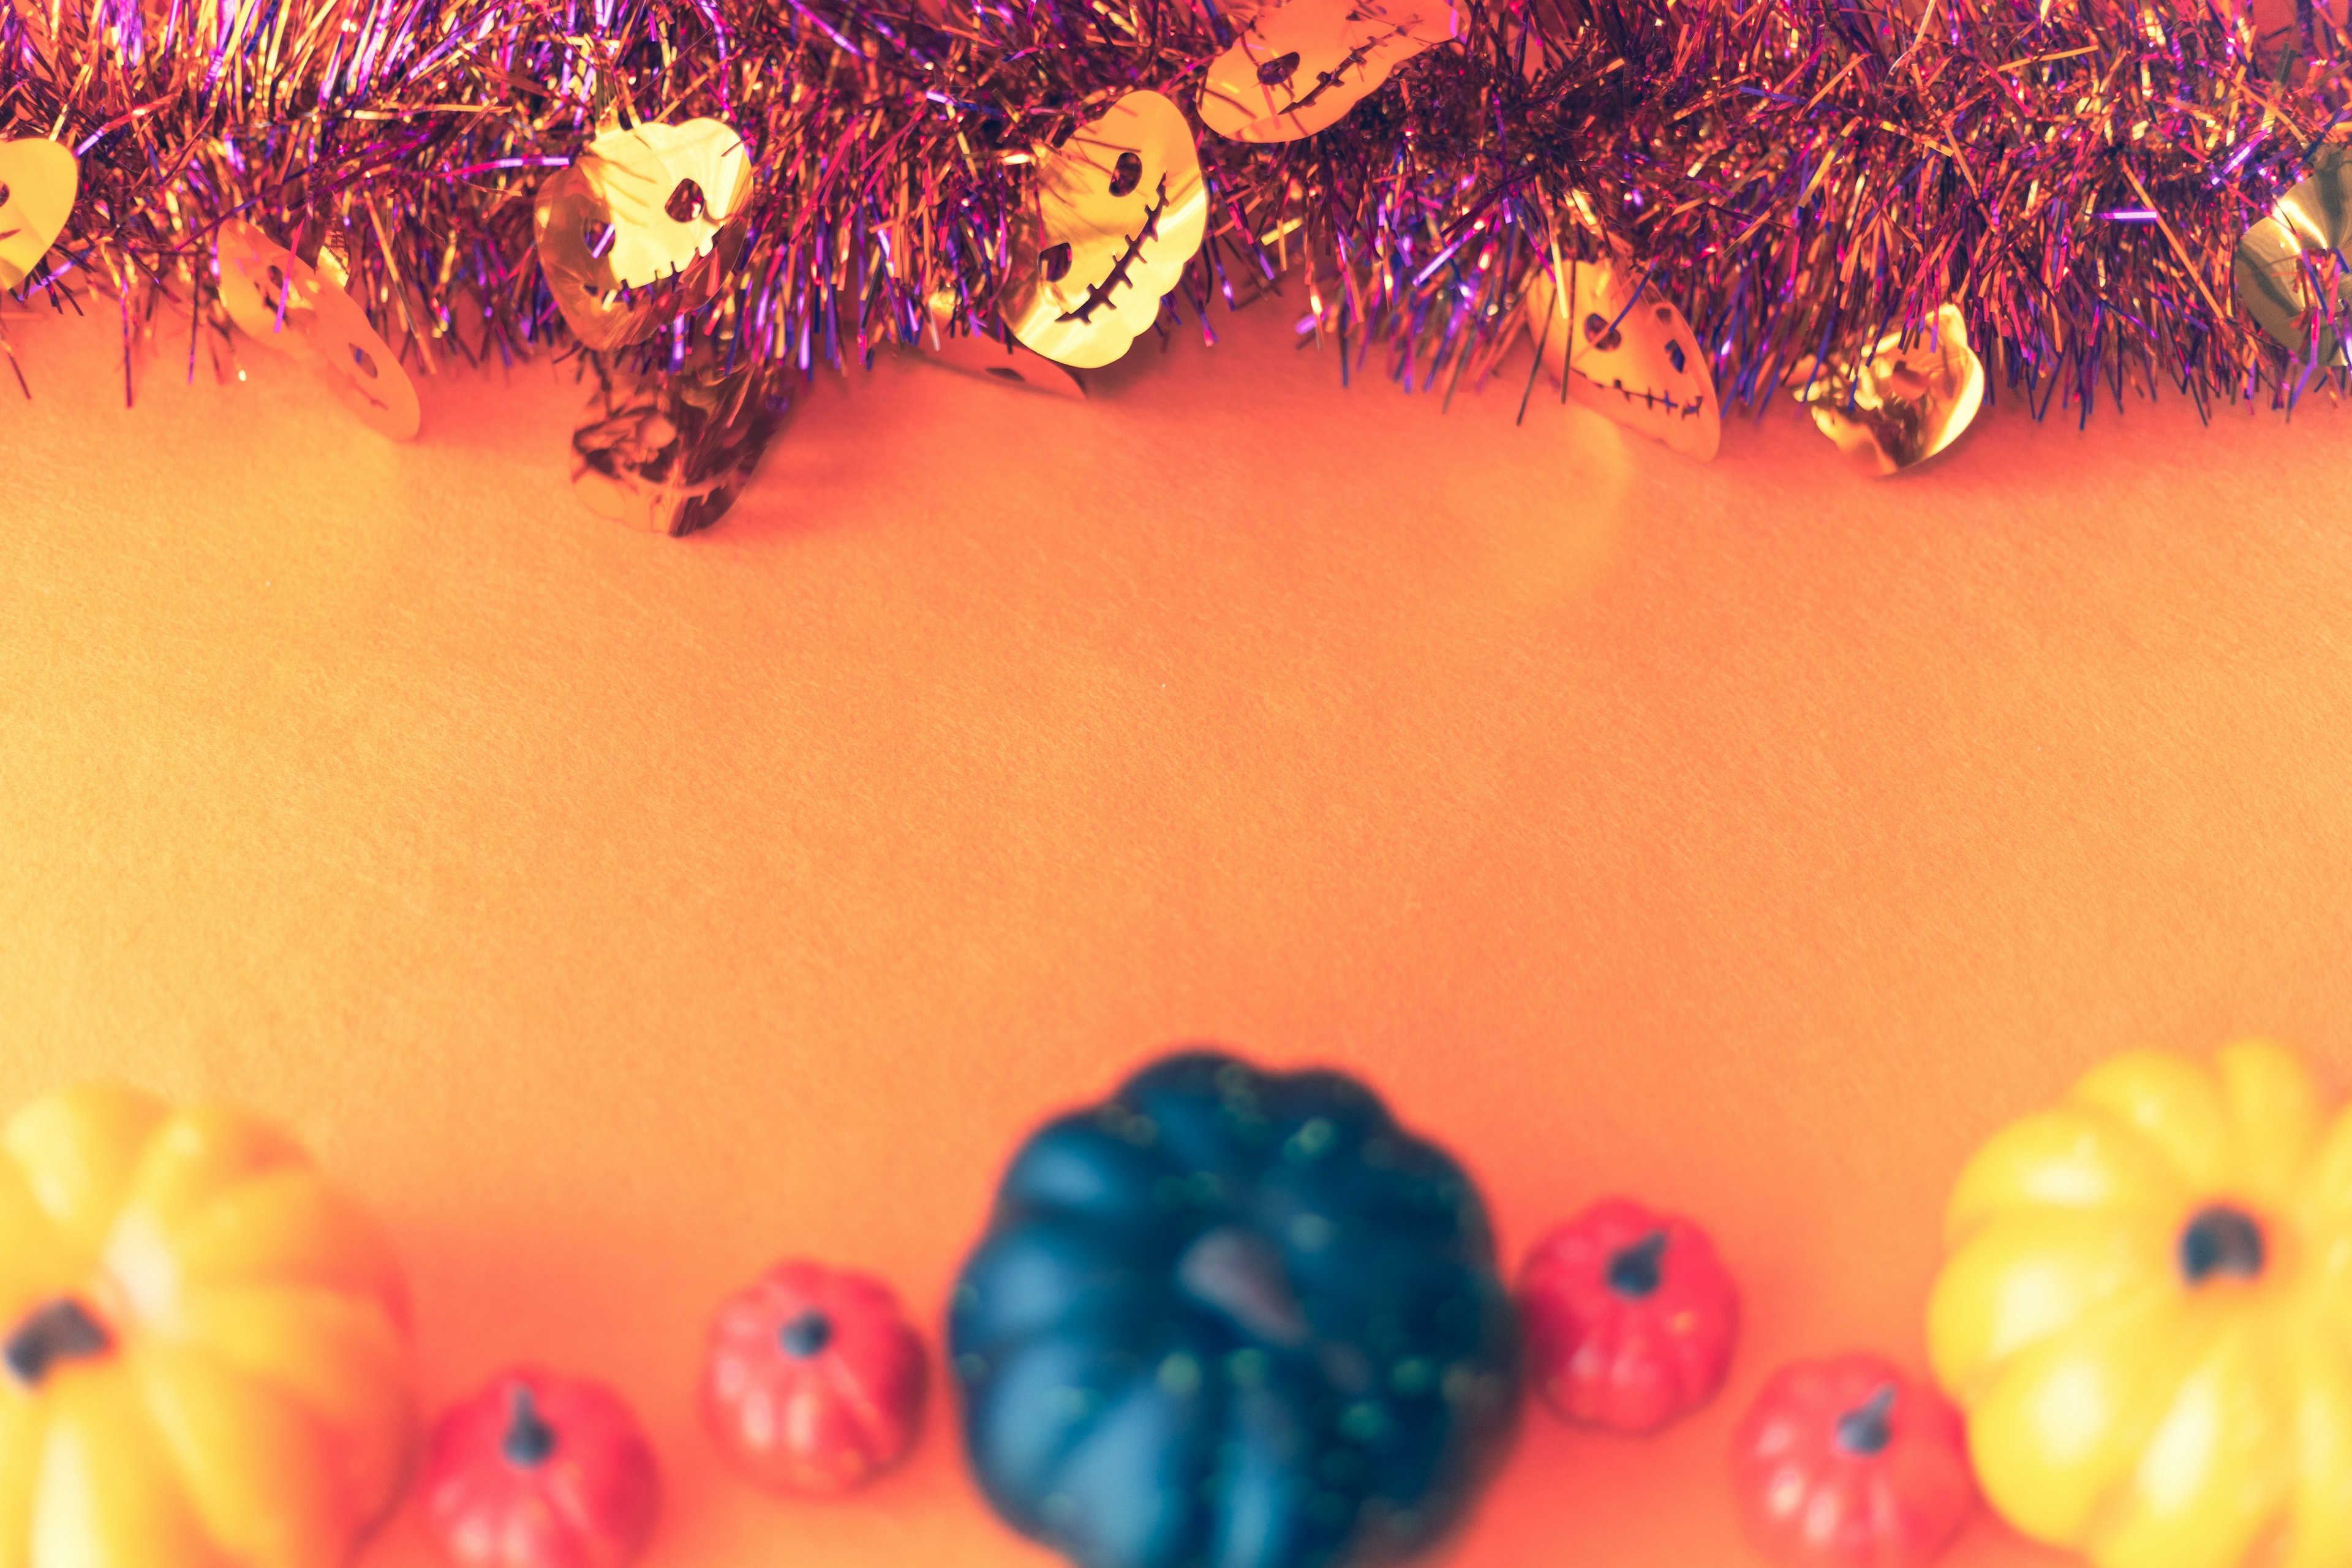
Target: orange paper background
(616, 914)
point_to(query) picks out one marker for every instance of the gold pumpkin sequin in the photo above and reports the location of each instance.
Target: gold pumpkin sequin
(1115, 214)
(1908, 397)
(634, 231)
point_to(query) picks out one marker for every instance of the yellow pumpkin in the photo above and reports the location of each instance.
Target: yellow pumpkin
(203, 1352)
(2147, 1315)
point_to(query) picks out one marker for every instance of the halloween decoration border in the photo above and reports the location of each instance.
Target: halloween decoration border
(1799, 178)
(1259, 1274)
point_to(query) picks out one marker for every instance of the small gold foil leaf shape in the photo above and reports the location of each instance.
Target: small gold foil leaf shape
(1300, 67)
(1113, 216)
(1905, 400)
(2291, 258)
(1623, 351)
(640, 209)
(279, 300)
(39, 179)
(1000, 359)
(668, 451)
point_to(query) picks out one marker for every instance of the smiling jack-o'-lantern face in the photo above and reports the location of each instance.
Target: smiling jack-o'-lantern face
(1302, 65)
(1906, 399)
(1621, 350)
(1116, 211)
(279, 300)
(38, 182)
(640, 207)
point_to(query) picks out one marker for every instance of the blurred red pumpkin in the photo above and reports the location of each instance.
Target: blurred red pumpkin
(541, 1471)
(1629, 1316)
(813, 1381)
(1851, 1464)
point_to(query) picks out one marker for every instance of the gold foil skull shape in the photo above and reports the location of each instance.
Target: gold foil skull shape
(668, 451)
(1903, 400)
(276, 299)
(1115, 214)
(1301, 67)
(640, 208)
(2294, 246)
(1623, 351)
(39, 179)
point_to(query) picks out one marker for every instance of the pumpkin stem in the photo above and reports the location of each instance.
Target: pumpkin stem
(2221, 1240)
(807, 1335)
(62, 1331)
(1238, 1273)
(1636, 1271)
(1866, 1432)
(528, 1439)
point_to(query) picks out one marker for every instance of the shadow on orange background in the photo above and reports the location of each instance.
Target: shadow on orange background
(616, 915)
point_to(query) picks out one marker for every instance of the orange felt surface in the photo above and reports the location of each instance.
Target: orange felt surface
(616, 914)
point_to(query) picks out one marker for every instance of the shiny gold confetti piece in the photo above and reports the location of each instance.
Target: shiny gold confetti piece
(1623, 351)
(639, 209)
(275, 298)
(37, 183)
(1113, 216)
(1001, 360)
(1300, 67)
(669, 451)
(1900, 404)
(2295, 246)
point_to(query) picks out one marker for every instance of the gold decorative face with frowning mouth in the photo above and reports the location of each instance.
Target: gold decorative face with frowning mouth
(1115, 213)
(1301, 67)
(1623, 351)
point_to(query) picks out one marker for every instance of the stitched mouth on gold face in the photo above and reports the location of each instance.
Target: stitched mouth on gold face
(1325, 81)
(1100, 294)
(1602, 337)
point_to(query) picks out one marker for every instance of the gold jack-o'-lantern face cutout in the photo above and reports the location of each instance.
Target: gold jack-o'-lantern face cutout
(276, 299)
(2292, 256)
(1302, 65)
(1115, 213)
(668, 451)
(1000, 359)
(1903, 402)
(1624, 352)
(38, 182)
(639, 208)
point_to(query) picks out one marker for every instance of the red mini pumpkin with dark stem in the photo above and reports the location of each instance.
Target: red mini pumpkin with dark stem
(1849, 1464)
(813, 1381)
(1629, 1316)
(541, 1471)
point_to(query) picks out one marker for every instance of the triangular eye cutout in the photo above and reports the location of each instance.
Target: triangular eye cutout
(1302, 65)
(1621, 350)
(39, 182)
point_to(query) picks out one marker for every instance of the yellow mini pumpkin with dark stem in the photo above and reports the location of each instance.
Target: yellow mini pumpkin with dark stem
(203, 1352)
(2146, 1314)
